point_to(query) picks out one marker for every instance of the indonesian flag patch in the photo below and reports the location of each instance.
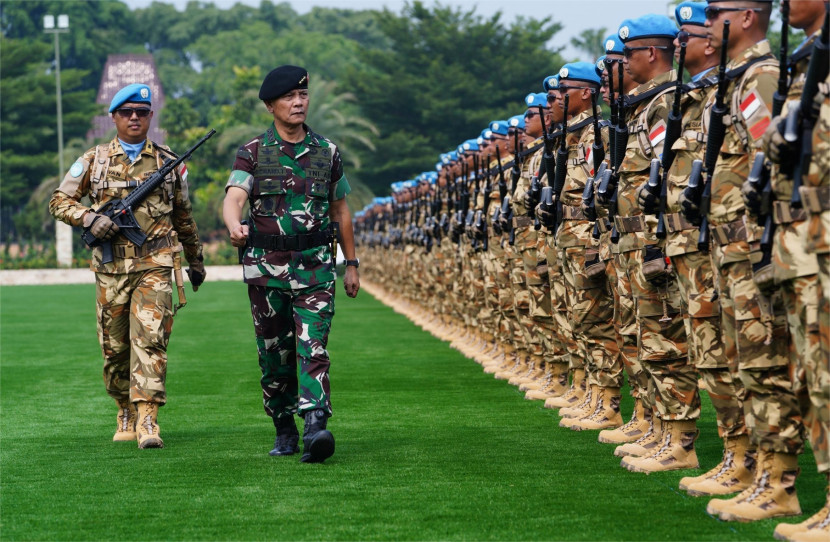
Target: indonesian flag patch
(750, 105)
(589, 161)
(658, 134)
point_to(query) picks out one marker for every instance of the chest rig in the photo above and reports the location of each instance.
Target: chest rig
(102, 177)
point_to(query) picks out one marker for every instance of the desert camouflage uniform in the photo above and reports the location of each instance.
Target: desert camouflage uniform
(291, 292)
(754, 325)
(134, 291)
(694, 272)
(662, 347)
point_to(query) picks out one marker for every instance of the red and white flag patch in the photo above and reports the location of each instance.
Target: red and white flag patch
(183, 171)
(589, 161)
(750, 105)
(657, 135)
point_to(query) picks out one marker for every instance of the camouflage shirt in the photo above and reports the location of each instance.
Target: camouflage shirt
(530, 167)
(289, 189)
(166, 209)
(818, 232)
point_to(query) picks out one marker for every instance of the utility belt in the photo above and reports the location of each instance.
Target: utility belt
(630, 224)
(731, 232)
(603, 224)
(572, 213)
(815, 199)
(522, 221)
(676, 222)
(299, 242)
(129, 250)
(782, 213)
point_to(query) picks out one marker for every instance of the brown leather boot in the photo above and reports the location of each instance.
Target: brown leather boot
(816, 527)
(636, 427)
(574, 394)
(606, 414)
(147, 426)
(556, 383)
(734, 473)
(772, 493)
(644, 445)
(125, 426)
(676, 452)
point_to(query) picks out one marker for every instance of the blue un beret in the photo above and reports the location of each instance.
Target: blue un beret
(487, 133)
(551, 82)
(136, 93)
(282, 80)
(469, 145)
(599, 66)
(579, 71)
(517, 121)
(453, 156)
(613, 45)
(647, 26)
(537, 99)
(499, 127)
(690, 13)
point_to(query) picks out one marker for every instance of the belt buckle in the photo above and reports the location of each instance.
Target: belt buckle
(130, 252)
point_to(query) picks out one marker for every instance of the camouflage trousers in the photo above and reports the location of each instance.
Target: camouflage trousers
(662, 345)
(701, 303)
(625, 324)
(135, 319)
(560, 311)
(801, 299)
(292, 332)
(818, 417)
(520, 290)
(539, 321)
(592, 317)
(756, 343)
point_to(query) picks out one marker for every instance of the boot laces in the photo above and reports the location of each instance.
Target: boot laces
(148, 424)
(763, 485)
(630, 423)
(124, 418)
(725, 465)
(647, 436)
(666, 445)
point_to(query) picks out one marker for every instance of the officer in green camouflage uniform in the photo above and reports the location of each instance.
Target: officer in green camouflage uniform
(293, 179)
(134, 291)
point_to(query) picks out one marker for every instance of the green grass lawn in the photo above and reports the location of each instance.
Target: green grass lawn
(428, 446)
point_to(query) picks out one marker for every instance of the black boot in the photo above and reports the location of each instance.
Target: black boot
(288, 437)
(318, 444)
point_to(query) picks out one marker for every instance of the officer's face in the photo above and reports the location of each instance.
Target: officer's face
(290, 109)
(129, 126)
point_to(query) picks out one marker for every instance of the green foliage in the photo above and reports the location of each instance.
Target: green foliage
(589, 42)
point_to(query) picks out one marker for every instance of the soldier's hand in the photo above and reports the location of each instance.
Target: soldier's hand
(689, 208)
(528, 201)
(545, 214)
(351, 281)
(239, 235)
(196, 273)
(101, 226)
(752, 198)
(647, 198)
(778, 149)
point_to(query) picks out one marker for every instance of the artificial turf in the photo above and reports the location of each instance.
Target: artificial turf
(428, 446)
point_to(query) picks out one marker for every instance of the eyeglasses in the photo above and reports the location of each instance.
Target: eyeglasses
(127, 112)
(628, 51)
(683, 35)
(712, 12)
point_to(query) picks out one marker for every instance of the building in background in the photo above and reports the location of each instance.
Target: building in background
(120, 71)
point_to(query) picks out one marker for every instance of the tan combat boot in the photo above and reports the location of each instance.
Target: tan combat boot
(733, 474)
(519, 367)
(535, 370)
(583, 409)
(510, 360)
(635, 428)
(147, 426)
(772, 493)
(574, 394)
(538, 379)
(644, 445)
(815, 527)
(676, 452)
(606, 414)
(125, 427)
(555, 386)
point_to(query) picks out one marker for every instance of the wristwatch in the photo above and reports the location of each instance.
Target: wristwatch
(354, 263)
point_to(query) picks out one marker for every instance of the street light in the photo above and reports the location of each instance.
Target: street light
(63, 232)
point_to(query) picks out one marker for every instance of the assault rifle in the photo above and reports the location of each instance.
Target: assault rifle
(120, 211)
(561, 169)
(598, 157)
(607, 190)
(717, 132)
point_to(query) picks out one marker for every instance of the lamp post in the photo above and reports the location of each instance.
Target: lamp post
(63, 232)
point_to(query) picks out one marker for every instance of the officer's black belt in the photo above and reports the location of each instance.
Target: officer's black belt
(287, 243)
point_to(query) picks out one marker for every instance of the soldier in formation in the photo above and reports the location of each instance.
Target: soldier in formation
(681, 244)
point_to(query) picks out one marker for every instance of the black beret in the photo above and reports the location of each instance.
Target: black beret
(282, 80)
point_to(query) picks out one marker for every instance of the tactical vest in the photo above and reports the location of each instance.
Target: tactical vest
(638, 127)
(274, 182)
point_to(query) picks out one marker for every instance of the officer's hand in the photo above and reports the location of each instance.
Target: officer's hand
(101, 226)
(647, 198)
(239, 235)
(196, 273)
(545, 214)
(689, 207)
(351, 281)
(752, 199)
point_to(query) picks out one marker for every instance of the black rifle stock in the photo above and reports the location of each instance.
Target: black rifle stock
(120, 211)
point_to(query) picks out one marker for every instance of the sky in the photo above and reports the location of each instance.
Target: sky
(575, 15)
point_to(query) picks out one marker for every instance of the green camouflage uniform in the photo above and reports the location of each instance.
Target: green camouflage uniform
(754, 326)
(134, 291)
(292, 292)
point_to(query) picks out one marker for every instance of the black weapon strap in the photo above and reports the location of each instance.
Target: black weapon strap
(739, 71)
(631, 101)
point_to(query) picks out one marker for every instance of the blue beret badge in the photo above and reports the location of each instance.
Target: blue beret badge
(624, 32)
(685, 13)
(609, 45)
(77, 169)
(563, 73)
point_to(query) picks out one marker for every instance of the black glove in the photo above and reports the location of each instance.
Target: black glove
(656, 270)
(689, 208)
(648, 197)
(196, 273)
(752, 199)
(545, 214)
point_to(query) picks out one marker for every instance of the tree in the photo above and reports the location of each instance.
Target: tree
(589, 41)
